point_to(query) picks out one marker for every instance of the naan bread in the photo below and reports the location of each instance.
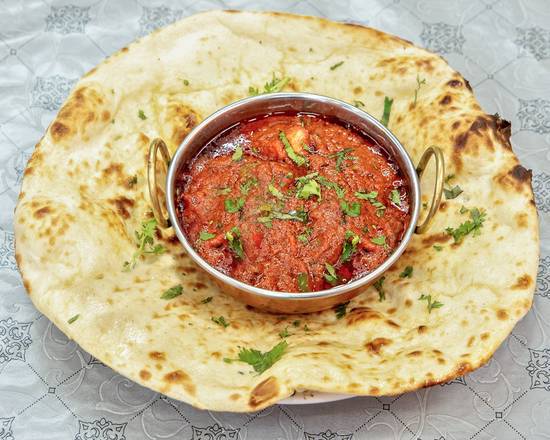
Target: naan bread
(79, 208)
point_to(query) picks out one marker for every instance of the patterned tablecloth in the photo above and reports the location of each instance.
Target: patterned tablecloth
(51, 389)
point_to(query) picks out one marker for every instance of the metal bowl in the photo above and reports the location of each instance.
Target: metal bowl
(285, 302)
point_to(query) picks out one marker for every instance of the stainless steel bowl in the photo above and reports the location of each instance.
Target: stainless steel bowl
(284, 302)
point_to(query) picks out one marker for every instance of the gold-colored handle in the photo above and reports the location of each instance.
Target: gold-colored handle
(436, 153)
(154, 147)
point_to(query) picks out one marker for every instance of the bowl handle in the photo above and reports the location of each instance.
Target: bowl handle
(437, 154)
(154, 147)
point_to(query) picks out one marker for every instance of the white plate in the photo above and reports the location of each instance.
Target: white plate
(312, 397)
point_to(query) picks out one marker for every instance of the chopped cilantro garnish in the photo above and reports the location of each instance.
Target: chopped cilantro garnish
(380, 240)
(296, 323)
(172, 292)
(141, 115)
(185, 82)
(332, 185)
(205, 235)
(303, 283)
(275, 192)
(387, 110)
(233, 237)
(273, 86)
(146, 240)
(472, 226)
(419, 83)
(308, 189)
(437, 247)
(358, 104)
(341, 310)
(371, 197)
(284, 333)
(395, 197)
(449, 178)
(350, 209)
(341, 156)
(73, 319)
(463, 210)
(234, 205)
(220, 320)
(350, 246)
(296, 158)
(335, 66)
(238, 154)
(304, 236)
(206, 300)
(432, 304)
(132, 181)
(223, 191)
(246, 186)
(262, 361)
(330, 274)
(407, 272)
(298, 215)
(453, 192)
(306, 328)
(379, 286)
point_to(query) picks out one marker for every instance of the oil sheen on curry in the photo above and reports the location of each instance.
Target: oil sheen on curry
(293, 203)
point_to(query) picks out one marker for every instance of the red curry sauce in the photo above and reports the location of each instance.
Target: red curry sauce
(293, 202)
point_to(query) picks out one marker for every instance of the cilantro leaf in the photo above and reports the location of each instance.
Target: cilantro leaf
(73, 319)
(332, 185)
(379, 286)
(432, 304)
(472, 226)
(335, 66)
(273, 86)
(146, 243)
(206, 300)
(341, 156)
(330, 274)
(350, 209)
(262, 361)
(419, 83)
(308, 189)
(350, 246)
(395, 197)
(220, 320)
(341, 310)
(303, 283)
(233, 237)
(238, 154)
(223, 191)
(295, 157)
(298, 215)
(141, 115)
(246, 186)
(453, 192)
(380, 240)
(205, 235)
(371, 197)
(284, 333)
(387, 110)
(172, 292)
(437, 247)
(296, 323)
(234, 205)
(304, 236)
(407, 272)
(275, 192)
(358, 104)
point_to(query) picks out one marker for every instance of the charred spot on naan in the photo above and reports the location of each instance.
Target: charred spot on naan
(376, 345)
(264, 392)
(516, 178)
(177, 121)
(179, 377)
(84, 107)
